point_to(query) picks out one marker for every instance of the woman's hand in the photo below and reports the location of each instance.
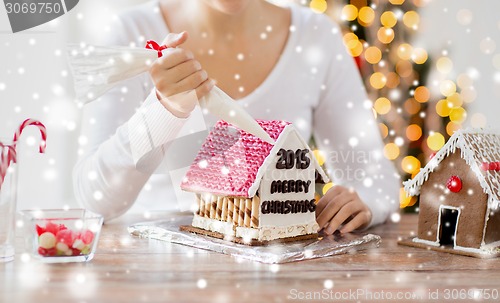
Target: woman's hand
(341, 205)
(179, 79)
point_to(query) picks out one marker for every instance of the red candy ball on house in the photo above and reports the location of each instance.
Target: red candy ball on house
(454, 184)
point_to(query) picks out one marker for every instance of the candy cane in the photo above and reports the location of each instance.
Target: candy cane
(7, 154)
(41, 127)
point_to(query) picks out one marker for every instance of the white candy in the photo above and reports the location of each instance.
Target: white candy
(78, 244)
(62, 247)
(47, 240)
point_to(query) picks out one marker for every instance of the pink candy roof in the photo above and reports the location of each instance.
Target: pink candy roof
(229, 160)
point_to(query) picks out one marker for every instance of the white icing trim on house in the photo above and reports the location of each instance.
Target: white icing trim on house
(247, 233)
(475, 250)
(222, 227)
(412, 187)
(264, 233)
(427, 242)
(267, 233)
(491, 245)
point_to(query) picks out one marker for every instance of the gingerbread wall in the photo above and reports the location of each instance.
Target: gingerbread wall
(470, 199)
(493, 227)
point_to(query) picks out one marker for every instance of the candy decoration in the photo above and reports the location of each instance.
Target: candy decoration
(454, 184)
(58, 240)
(151, 44)
(41, 127)
(47, 240)
(432, 155)
(492, 166)
(8, 153)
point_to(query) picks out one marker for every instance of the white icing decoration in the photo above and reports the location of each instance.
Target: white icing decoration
(476, 146)
(264, 233)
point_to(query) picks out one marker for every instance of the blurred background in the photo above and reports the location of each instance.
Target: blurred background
(430, 67)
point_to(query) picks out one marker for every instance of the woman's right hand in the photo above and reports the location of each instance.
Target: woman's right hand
(179, 79)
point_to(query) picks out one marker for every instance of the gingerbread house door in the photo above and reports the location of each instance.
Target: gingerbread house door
(447, 225)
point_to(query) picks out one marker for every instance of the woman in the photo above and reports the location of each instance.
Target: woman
(279, 63)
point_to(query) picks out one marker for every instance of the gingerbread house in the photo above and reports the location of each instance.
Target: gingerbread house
(252, 192)
(459, 193)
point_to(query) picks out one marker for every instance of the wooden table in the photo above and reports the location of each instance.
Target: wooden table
(128, 269)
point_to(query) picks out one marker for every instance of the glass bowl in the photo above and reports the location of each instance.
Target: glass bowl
(61, 236)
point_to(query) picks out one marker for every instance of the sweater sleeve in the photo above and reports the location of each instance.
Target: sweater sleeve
(346, 131)
(124, 130)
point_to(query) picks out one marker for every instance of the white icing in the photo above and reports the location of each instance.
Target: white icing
(225, 228)
(291, 140)
(491, 245)
(481, 251)
(264, 233)
(267, 233)
(427, 242)
(247, 233)
(476, 146)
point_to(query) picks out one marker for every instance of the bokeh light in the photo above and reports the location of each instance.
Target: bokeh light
(451, 128)
(405, 200)
(385, 35)
(444, 65)
(410, 164)
(405, 51)
(318, 6)
(378, 80)
(326, 187)
(349, 12)
(388, 19)
(442, 108)
(366, 15)
(384, 130)
(391, 151)
(413, 132)
(382, 105)
(419, 55)
(396, 2)
(320, 156)
(435, 141)
(422, 94)
(447, 88)
(458, 115)
(373, 55)
(411, 19)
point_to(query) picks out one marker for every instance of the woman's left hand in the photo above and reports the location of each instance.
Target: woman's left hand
(341, 205)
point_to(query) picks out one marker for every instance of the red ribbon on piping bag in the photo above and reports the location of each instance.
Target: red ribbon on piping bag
(151, 44)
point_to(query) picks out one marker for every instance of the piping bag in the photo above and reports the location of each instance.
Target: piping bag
(97, 69)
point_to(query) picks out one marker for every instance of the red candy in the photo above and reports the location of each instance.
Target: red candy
(39, 230)
(87, 236)
(65, 236)
(51, 228)
(454, 184)
(67, 242)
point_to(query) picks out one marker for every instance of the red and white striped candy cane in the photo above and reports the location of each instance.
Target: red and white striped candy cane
(7, 154)
(41, 127)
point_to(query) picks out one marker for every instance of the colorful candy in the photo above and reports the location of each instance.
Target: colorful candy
(58, 240)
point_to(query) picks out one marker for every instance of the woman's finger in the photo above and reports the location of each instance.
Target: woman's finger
(342, 215)
(174, 40)
(359, 220)
(333, 207)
